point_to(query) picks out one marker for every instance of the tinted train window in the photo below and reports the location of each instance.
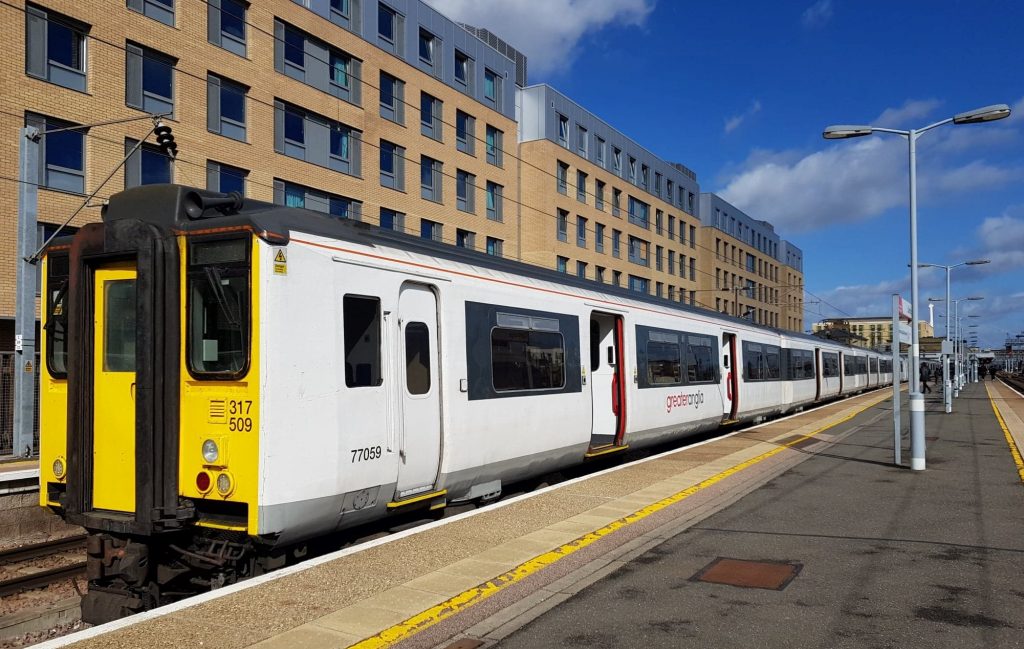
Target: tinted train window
(218, 308)
(663, 363)
(830, 365)
(595, 345)
(417, 358)
(119, 325)
(56, 323)
(701, 359)
(848, 367)
(362, 341)
(773, 360)
(527, 360)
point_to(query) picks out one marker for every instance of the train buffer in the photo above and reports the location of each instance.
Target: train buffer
(797, 533)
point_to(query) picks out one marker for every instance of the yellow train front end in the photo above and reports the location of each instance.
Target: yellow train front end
(149, 396)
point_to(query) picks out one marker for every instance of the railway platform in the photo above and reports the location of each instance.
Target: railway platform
(799, 532)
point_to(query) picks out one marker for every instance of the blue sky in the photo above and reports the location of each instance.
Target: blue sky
(741, 91)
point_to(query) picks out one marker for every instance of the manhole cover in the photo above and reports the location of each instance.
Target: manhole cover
(771, 575)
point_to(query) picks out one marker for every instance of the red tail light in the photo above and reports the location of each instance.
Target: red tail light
(203, 481)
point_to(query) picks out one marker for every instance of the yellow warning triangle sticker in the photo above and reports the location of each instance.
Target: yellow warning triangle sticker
(280, 258)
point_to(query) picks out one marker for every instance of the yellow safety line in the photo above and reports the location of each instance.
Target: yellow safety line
(1014, 451)
(477, 594)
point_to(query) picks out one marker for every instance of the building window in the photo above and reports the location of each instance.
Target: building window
(582, 141)
(617, 277)
(599, 273)
(495, 209)
(493, 87)
(390, 28)
(632, 170)
(616, 202)
(659, 288)
(599, 194)
(465, 191)
(61, 155)
(581, 187)
(659, 221)
(693, 269)
(295, 195)
(346, 13)
(562, 225)
(693, 298)
(149, 81)
(392, 220)
(465, 132)
(428, 44)
(658, 253)
(657, 184)
(563, 177)
(617, 160)
(430, 230)
(495, 247)
(693, 236)
(563, 130)
(392, 165)
(669, 185)
(638, 251)
(581, 269)
(225, 178)
(639, 213)
(225, 107)
(162, 10)
(430, 116)
(562, 264)
(147, 166)
(691, 208)
(495, 144)
(307, 136)
(616, 244)
(226, 24)
(581, 231)
(671, 262)
(430, 179)
(464, 70)
(55, 48)
(600, 150)
(599, 237)
(465, 239)
(645, 174)
(639, 284)
(392, 98)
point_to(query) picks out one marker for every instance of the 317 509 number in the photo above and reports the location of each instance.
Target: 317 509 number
(364, 454)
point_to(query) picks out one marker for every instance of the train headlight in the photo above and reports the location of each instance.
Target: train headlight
(225, 484)
(58, 468)
(210, 451)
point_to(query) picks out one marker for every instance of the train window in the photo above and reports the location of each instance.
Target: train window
(361, 325)
(848, 365)
(595, 345)
(417, 358)
(753, 362)
(830, 365)
(218, 308)
(700, 359)
(527, 360)
(663, 363)
(862, 365)
(808, 359)
(119, 325)
(773, 362)
(56, 325)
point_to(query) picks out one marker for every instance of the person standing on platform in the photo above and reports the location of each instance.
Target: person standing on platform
(926, 375)
(992, 372)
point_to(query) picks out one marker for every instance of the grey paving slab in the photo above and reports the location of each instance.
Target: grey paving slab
(890, 557)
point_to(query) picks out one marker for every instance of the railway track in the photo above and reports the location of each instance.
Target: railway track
(1015, 381)
(43, 577)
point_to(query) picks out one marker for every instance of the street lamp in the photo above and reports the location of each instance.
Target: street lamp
(957, 343)
(986, 114)
(947, 388)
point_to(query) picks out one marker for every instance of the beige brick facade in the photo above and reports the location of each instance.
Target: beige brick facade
(680, 254)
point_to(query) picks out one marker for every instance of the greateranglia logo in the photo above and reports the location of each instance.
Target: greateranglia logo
(683, 399)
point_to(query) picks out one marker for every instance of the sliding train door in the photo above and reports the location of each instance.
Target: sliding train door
(730, 379)
(113, 457)
(607, 380)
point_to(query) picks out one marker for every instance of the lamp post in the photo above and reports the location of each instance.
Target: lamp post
(986, 114)
(947, 388)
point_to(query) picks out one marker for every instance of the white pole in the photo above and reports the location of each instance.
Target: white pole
(917, 429)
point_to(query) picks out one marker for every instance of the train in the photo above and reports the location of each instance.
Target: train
(226, 379)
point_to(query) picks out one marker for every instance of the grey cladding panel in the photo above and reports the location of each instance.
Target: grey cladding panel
(482, 318)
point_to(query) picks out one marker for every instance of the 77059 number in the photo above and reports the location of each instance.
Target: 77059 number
(364, 454)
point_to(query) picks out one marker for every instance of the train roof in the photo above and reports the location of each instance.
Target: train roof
(190, 209)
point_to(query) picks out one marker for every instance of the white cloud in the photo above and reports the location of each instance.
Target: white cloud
(547, 31)
(732, 123)
(912, 109)
(854, 181)
(817, 14)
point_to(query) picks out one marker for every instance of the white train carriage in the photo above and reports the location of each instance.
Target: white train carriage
(292, 374)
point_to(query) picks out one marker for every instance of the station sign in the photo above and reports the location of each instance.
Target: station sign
(905, 310)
